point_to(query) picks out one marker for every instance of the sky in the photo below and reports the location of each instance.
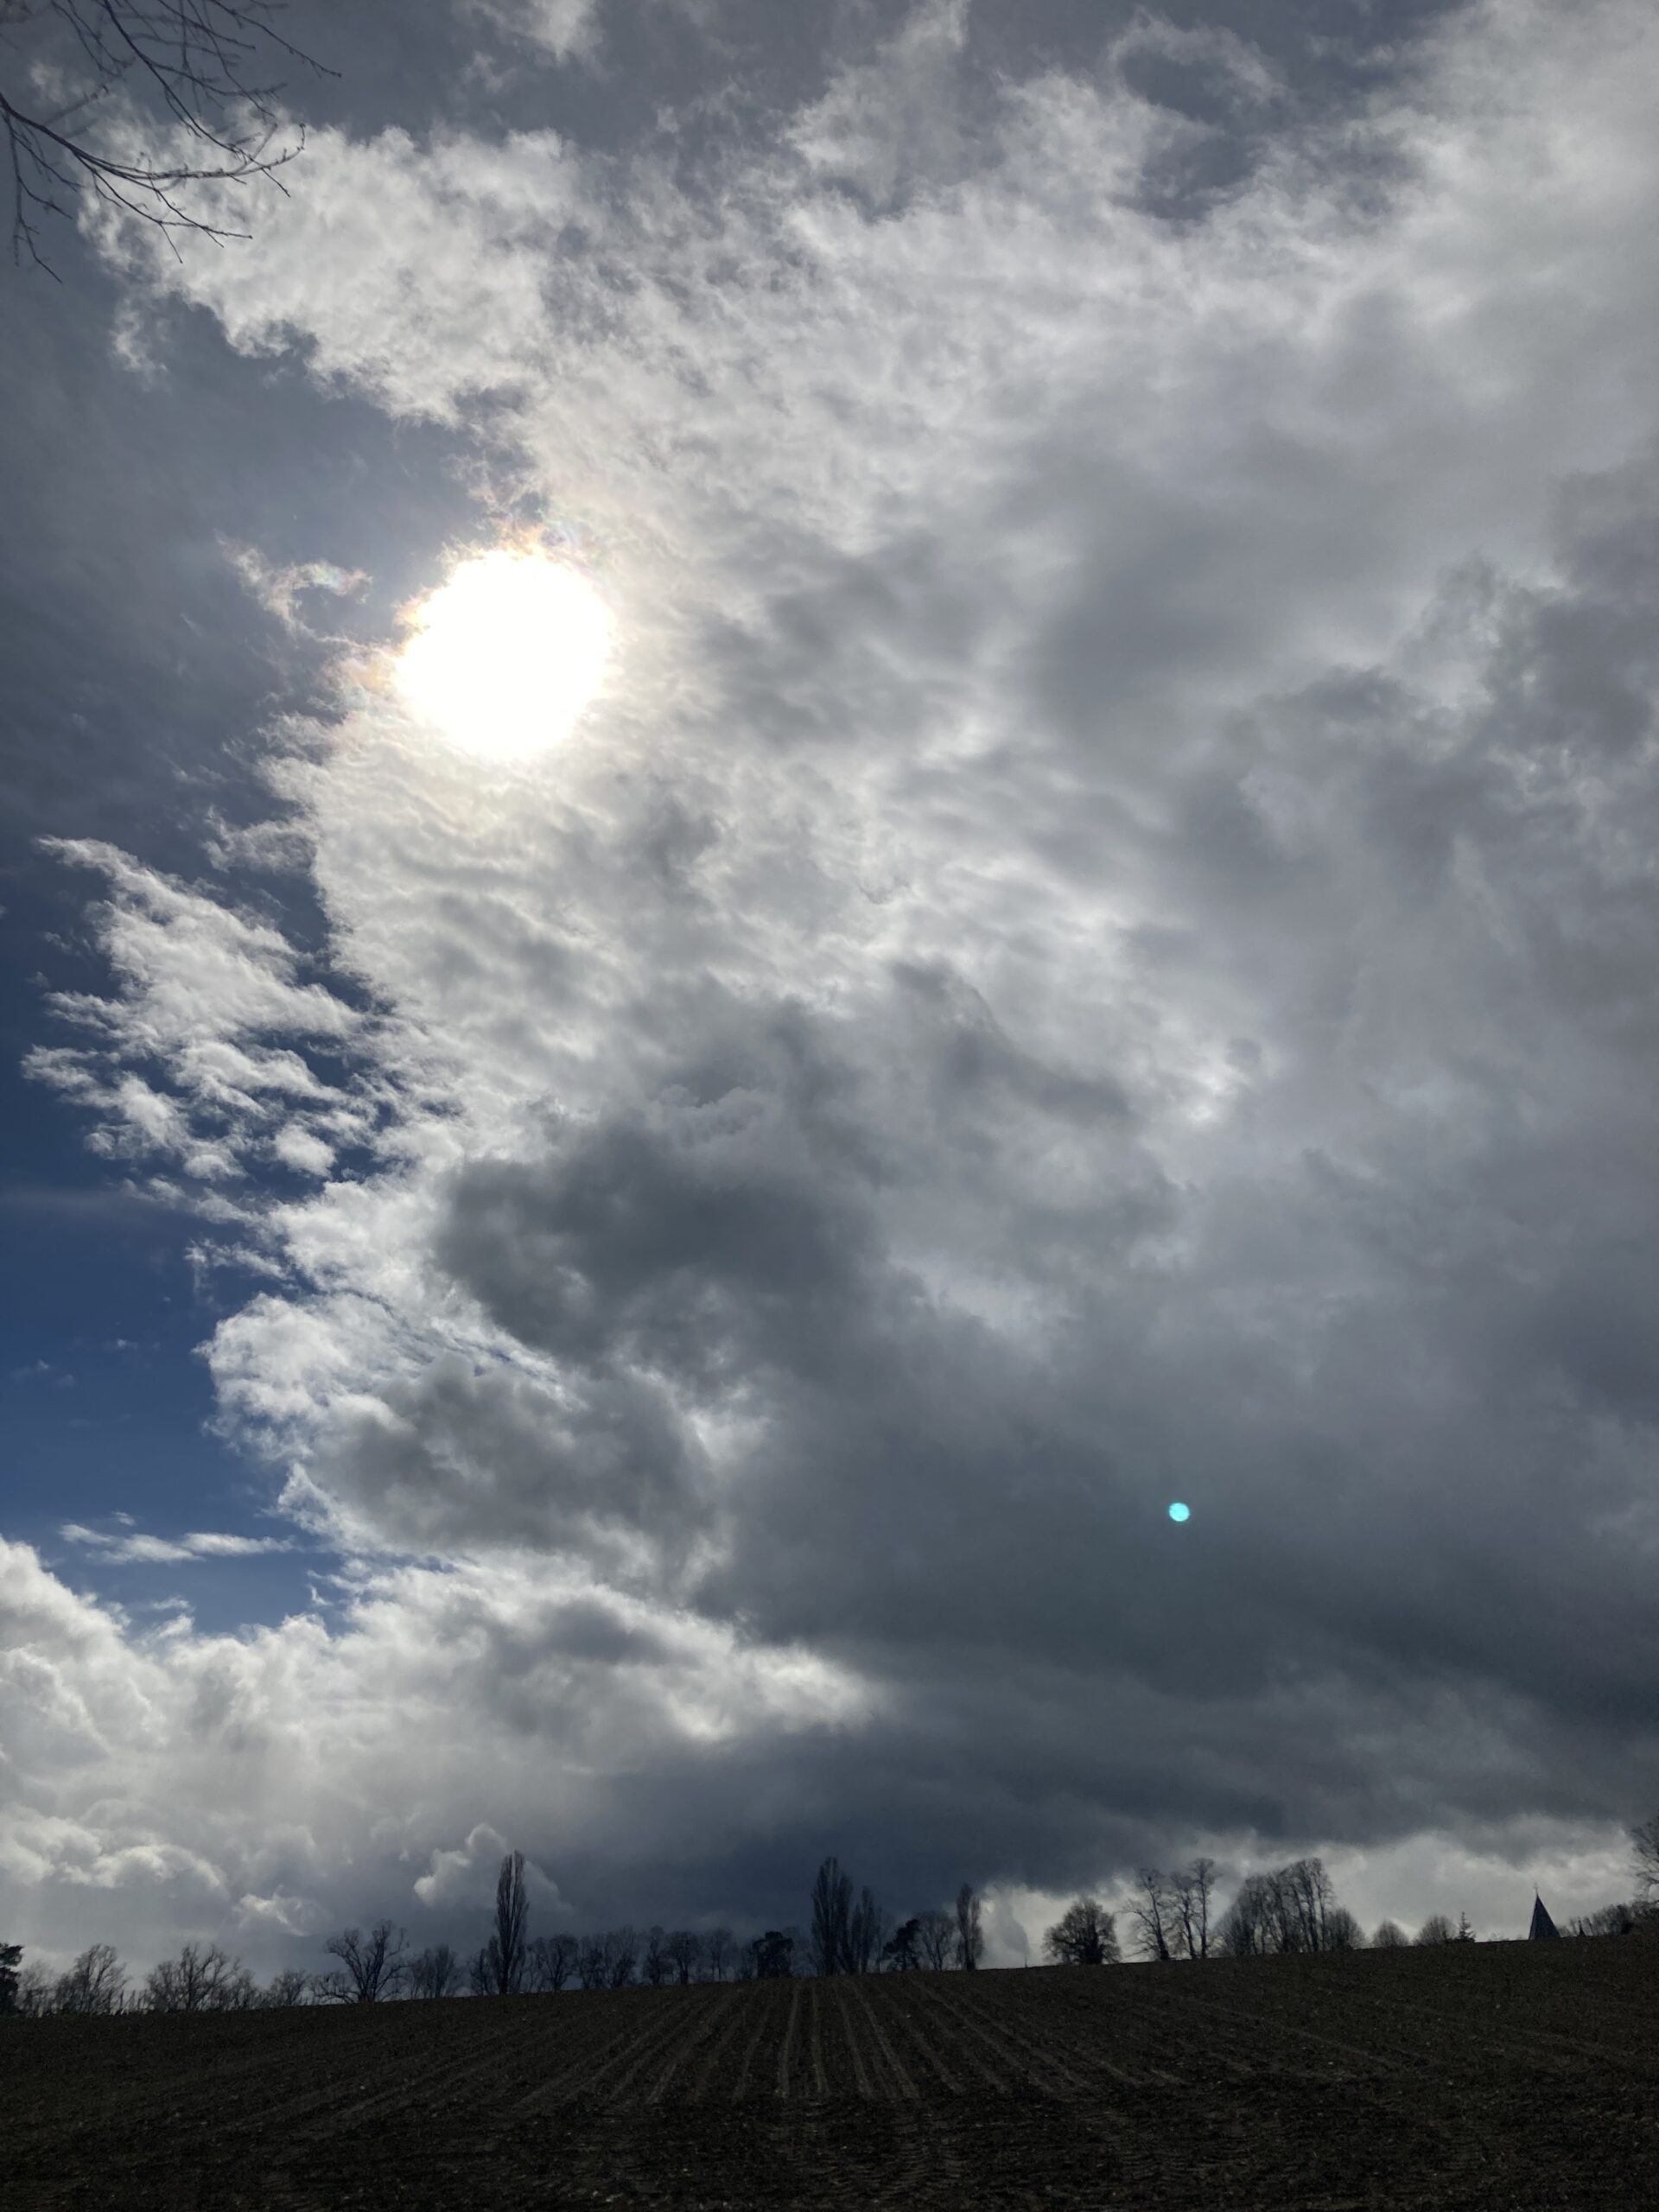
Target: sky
(646, 1297)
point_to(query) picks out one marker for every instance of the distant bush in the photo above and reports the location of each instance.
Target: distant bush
(1389, 1936)
(1437, 1928)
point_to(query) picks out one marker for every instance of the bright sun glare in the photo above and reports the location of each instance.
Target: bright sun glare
(507, 654)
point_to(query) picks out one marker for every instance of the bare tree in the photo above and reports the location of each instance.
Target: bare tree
(199, 67)
(684, 1950)
(1437, 1928)
(1155, 1911)
(621, 1957)
(372, 1967)
(1245, 1928)
(592, 1965)
(1299, 1899)
(867, 1930)
(505, 1952)
(1341, 1931)
(198, 1981)
(970, 1937)
(1389, 1936)
(435, 1973)
(96, 1983)
(36, 1989)
(1644, 1840)
(773, 1955)
(655, 1965)
(902, 1952)
(936, 1934)
(1292, 1908)
(290, 1987)
(12, 1959)
(1608, 1920)
(1085, 1934)
(1193, 1889)
(832, 1912)
(719, 1946)
(551, 1961)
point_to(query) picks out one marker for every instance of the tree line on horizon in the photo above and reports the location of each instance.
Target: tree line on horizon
(1292, 1908)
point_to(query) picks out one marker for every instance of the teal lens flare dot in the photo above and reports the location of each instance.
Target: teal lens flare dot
(1179, 1512)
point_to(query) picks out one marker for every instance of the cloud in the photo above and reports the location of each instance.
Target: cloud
(200, 1061)
(563, 30)
(139, 1550)
(279, 589)
(320, 1773)
(468, 1872)
(1097, 948)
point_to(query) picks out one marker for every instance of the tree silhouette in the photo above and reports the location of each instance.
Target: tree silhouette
(1389, 1936)
(1085, 1934)
(435, 1973)
(1192, 1888)
(970, 1941)
(96, 1983)
(551, 1961)
(198, 1981)
(655, 1966)
(902, 1953)
(1155, 1911)
(1644, 1842)
(592, 1969)
(372, 1967)
(867, 1929)
(1609, 1920)
(11, 1958)
(683, 1950)
(1437, 1928)
(936, 1937)
(1292, 1908)
(773, 1955)
(832, 1913)
(504, 1954)
(198, 66)
(290, 1987)
(621, 1955)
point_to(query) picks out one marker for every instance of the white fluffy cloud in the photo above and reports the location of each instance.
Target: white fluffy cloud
(1095, 949)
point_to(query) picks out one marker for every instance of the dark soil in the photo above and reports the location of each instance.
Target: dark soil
(1492, 2075)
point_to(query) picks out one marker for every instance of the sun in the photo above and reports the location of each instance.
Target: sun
(505, 655)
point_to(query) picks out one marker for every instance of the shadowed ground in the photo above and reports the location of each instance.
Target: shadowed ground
(1494, 2075)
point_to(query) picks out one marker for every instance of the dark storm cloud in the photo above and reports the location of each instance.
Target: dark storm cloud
(1097, 950)
(1377, 1377)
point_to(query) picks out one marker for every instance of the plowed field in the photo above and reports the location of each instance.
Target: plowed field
(1508, 2075)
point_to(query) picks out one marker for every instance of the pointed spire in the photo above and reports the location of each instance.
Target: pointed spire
(1542, 1926)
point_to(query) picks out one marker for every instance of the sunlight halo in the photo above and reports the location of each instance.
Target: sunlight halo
(507, 654)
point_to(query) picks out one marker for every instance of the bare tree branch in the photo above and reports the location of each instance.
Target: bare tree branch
(200, 63)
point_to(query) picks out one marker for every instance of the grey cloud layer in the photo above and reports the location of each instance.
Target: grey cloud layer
(1098, 949)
